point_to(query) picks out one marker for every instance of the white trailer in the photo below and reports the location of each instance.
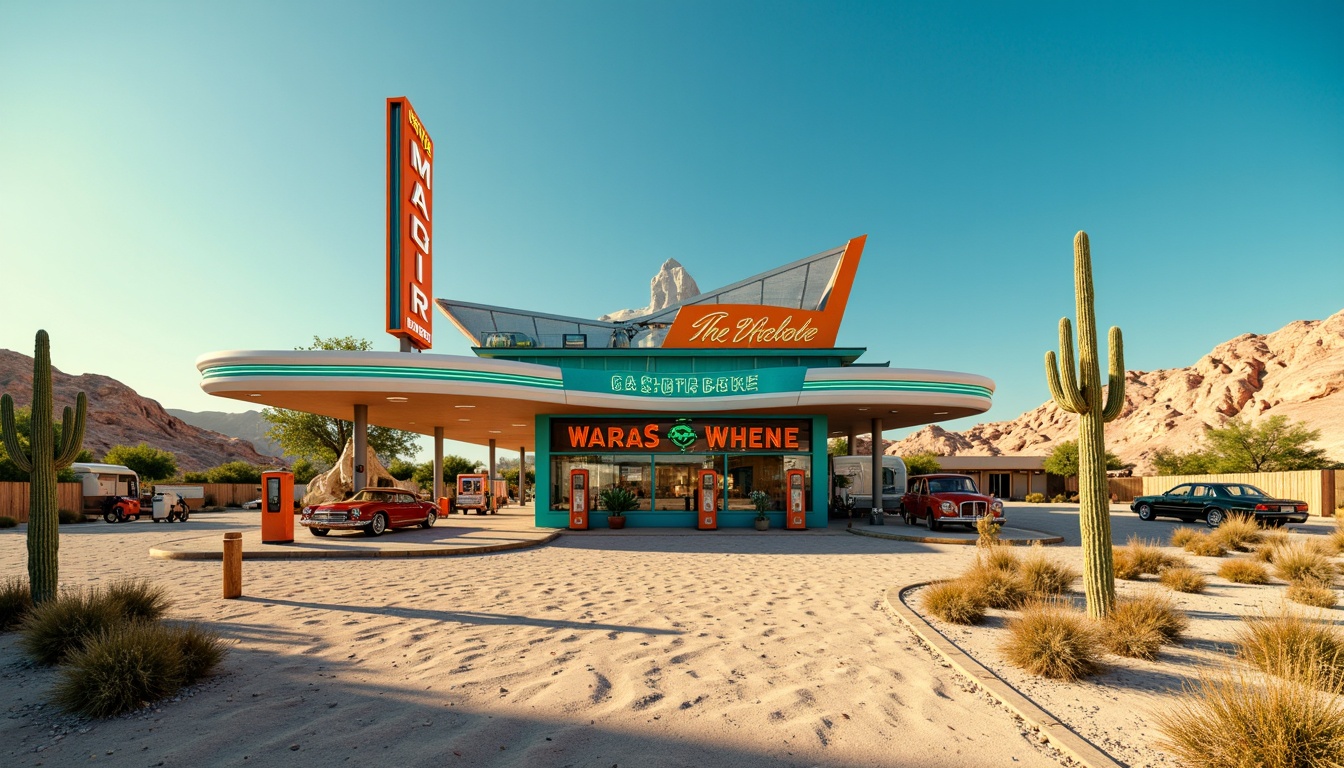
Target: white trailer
(858, 471)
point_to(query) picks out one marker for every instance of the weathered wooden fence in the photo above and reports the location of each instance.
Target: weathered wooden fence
(14, 499)
(1318, 487)
(1119, 488)
(230, 494)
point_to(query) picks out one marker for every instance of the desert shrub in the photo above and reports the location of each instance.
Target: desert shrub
(1228, 721)
(1204, 545)
(1058, 498)
(1137, 627)
(1184, 579)
(1242, 571)
(1000, 559)
(200, 651)
(997, 588)
(1302, 563)
(7, 522)
(1052, 640)
(1034, 498)
(57, 628)
(16, 600)
(1311, 593)
(1337, 540)
(988, 530)
(1238, 532)
(1291, 645)
(1148, 557)
(1181, 535)
(955, 602)
(138, 598)
(120, 669)
(1042, 577)
(1125, 566)
(69, 516)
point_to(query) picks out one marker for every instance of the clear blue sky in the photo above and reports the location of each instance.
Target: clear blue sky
(178, 180)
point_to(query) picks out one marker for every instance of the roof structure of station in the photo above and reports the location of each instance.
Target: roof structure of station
(763, 346)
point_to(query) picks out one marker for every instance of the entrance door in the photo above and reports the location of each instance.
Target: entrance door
(999, 484)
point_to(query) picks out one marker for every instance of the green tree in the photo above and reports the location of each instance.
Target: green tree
(1273, 445)
(149, 463)
(305, 470)
(23, 425)
(322, 438)
(452, 467)
(1063, 460)
(401, 469)
(232, 472)
(921, 463)
(838, 446)
(1169, 462)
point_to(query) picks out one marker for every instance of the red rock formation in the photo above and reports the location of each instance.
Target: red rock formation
(119, 416)
(1296, 371)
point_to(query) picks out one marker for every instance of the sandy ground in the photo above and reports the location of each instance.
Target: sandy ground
(645, 649)
(1121, 709)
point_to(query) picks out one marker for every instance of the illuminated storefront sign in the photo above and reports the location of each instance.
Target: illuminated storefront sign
(410, 228)
(717, 384)
(671, 434)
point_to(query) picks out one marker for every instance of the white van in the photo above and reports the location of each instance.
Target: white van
(859, 471)
(100, 482)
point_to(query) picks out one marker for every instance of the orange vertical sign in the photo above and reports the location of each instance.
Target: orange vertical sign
(410, 229)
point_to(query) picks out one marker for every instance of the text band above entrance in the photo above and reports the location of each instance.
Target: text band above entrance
(671, 434)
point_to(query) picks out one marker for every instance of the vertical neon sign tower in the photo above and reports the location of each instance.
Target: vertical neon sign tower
(410, 198)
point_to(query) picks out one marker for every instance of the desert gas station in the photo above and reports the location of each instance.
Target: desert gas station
(692, 408)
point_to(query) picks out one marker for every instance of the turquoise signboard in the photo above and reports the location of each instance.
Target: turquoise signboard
(714, 384)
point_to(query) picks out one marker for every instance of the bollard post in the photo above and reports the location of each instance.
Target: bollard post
(233, 565)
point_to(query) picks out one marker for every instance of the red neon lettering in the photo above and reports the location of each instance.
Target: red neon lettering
(634, 440)
(651, 436)
(615, 437)
(578, 437)
(790, 437)
(717, 436)
(754, 438)
(772, 437)
(597, 440)
(737, 437)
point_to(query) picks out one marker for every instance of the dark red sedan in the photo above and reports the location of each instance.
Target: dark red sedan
(944, 498)
(372, 510)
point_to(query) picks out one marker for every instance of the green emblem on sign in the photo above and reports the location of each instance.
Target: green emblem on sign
(682, 435)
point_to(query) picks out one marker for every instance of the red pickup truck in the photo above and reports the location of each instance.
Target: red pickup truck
(945, 498)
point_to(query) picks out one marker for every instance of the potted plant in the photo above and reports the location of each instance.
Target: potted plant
(761, 500)
(617, 501)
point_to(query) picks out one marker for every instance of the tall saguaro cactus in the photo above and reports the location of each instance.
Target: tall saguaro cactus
(1084, 399)
(41, 463)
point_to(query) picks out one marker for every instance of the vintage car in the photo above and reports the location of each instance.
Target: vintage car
(1213, 502)
(372, 510)
(944, 498)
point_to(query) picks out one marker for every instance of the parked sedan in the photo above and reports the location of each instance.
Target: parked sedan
(372, 510)
(1213, 502)
(944, 498)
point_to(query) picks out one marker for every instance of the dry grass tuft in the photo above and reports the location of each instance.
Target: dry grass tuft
(1312, 593)
(1042, 577)
(1148, 556)
(998, 588)
(1125, 567)
(1184, 579)
(1181, 535)
(954, 602)
(16, 600)
(57, 628)
(1205, 545)
(1301, 562)
(999, 558)
(1337, 540)
(1137, 627)
(1294, 646)
(1242, 571)
(1229, 721)
(1238, 532)
(138, 599)
(988, 530)
(1052, 640)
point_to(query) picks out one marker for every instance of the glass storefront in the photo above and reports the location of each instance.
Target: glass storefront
(666, 482)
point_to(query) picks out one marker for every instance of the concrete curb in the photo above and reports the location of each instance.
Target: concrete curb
(281, 554)
(1046, 538)
(1059, 735)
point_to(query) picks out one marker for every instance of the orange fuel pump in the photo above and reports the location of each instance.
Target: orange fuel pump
(797, 509)
(707, 501)
(578, 499)
(277, 507)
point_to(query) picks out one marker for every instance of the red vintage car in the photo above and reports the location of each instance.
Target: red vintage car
(944, 498)
(372, 510)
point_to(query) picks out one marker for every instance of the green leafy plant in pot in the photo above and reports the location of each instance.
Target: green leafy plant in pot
(761, 500)
(617, 501)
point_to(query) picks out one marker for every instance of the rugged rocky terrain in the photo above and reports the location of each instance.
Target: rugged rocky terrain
(119, 416)
(247, 425)
(1296, 372)
(671, 285)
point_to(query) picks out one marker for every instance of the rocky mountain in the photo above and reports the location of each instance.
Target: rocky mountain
(247, 425)
(119, 416)
(671, 285)
(1296, 372)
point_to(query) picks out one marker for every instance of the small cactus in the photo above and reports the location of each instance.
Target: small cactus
(44, 458)
(1084, 398)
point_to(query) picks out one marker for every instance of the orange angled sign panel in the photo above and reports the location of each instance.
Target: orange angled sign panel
(410, 226)
(725, 326)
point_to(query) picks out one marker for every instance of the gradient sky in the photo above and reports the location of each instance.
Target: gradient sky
(184, 178)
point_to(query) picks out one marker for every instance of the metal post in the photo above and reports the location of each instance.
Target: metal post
(853, 440)
(491, 491)
(359, 476)
(438, 464)
(877, 517)
(522, 475)
(233, 565)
